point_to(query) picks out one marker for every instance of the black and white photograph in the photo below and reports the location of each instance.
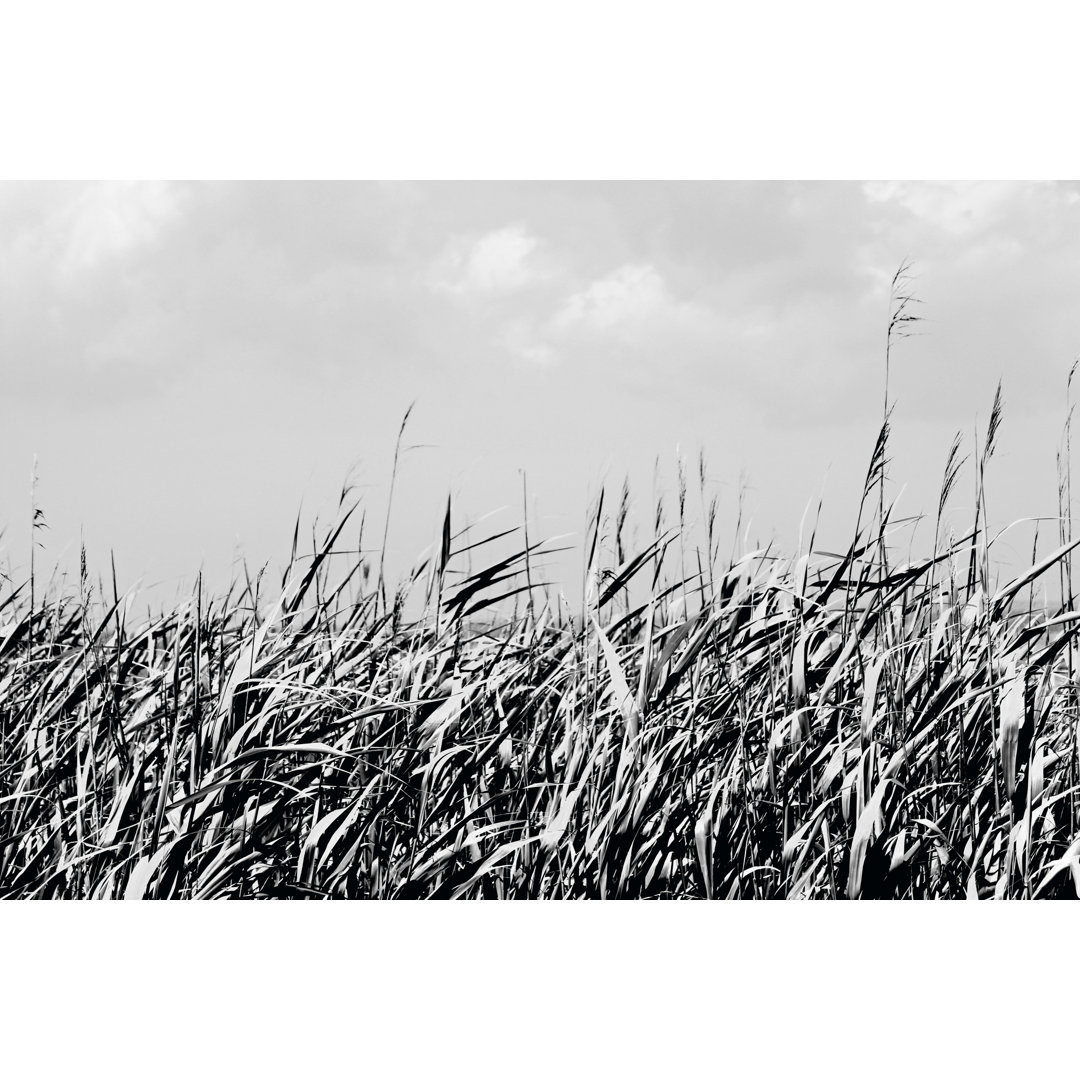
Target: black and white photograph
(565, 455)
(587, 540)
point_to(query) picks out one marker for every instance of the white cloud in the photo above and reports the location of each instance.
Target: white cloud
(498, 262)
(109, 219)
(957, 207)
(64, 229)
(630, 294)
(524, 340)
(630, 310)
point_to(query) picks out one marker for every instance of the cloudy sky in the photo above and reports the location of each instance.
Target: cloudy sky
(191, 361)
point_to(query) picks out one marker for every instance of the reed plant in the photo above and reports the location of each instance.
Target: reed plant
(814, 725)
(822, 725)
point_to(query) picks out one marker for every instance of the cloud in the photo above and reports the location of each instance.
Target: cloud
(956, 207)
(67, 229)
(109, 219)
(523, 340)
(104, 281)
(778, 290)
(624, 314)
(628, 296)
(497, 262)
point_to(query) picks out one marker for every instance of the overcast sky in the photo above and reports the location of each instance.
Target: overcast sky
(189, 361)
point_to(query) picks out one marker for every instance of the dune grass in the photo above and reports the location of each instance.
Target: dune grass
(814, 725)
(819, 726)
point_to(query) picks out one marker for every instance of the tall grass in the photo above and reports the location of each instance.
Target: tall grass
(820, 725)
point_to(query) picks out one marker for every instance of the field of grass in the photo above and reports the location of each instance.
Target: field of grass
(823, 725)
(755, 725)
